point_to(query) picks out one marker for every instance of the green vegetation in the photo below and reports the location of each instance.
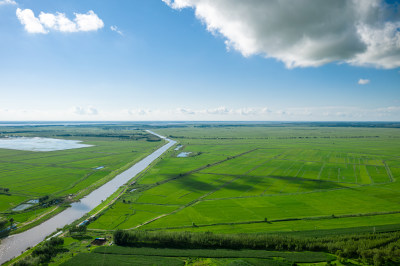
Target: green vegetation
(367, 247)
(306, 189)
(116, 259)
(58, 178)
(218, 253)
(296, 178)
(44, 253)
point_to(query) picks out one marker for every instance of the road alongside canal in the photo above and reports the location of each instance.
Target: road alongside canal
(13, 245)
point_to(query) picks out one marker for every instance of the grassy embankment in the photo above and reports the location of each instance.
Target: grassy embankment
(302, 181)
(60, 177)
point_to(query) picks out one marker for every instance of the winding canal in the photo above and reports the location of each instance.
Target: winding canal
(13, 245)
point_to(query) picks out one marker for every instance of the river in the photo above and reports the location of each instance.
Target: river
(13, 245)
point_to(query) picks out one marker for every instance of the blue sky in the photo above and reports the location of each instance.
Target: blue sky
(182, 60)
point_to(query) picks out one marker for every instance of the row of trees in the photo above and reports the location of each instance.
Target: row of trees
(3, 222)
(287, 137)
(6, 226)
(125, 136)
(375, 249)
(44, 253)
(4, 190)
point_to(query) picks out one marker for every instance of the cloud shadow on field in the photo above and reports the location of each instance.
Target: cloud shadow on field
(195, 183)
(310, 184)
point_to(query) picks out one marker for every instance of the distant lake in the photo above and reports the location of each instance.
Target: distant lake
(40, 144)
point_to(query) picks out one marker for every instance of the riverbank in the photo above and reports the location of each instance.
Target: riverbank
(15, 244)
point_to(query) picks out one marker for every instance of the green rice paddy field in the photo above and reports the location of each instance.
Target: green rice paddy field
(266, 179)
(31, 175)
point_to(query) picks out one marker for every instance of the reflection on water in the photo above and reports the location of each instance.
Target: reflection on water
(26, 205)
(15, 244)
(184, 154)
(22, 207)
(40, 144)
(178, 148)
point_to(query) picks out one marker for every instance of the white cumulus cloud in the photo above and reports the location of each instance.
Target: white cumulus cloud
(140, 112)
(30, 22)
(253, 111)
(305, 33)
(90, 110)
(310, 113)
(218, 111)
(363, 81)
(185, 111)
(7, 2)
(58, 22)
(115, 29)
(88, 22)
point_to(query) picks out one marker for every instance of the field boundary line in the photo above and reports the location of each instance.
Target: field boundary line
(288, 170)
(320, 171)
(77, 182)
(281, 194)
(125, 186)
(17, 193)
(202, 196)
(196, 170)
(157, 204)
(298, 172)
(111, 175)
(193, 202)
(366, 169)
(312, 218)
(39, 217)
(283, 177)
(389, 172)
(355, 174)
(309, 161)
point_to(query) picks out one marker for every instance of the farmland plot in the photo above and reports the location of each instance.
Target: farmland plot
(244, 176)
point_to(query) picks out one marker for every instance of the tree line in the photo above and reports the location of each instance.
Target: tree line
(377, 249)
(44, 253)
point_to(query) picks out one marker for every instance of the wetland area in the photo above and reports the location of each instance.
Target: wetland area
(40, 144)
(295, 180)
(15, 244)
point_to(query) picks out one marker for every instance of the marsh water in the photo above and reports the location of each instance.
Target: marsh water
(13, 245)
(184, 154)
(40, 144)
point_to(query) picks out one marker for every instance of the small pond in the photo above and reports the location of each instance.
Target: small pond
(40, 144)
(22, 207)
(178, 148)
(14, 245)
(184, 154)
(25, 205)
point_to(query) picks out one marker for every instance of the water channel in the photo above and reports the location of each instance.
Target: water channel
(13, 245)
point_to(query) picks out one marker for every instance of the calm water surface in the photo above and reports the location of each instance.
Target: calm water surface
(40, 144)
(12, 246)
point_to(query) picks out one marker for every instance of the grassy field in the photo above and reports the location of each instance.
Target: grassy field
(116, 259)
(296, 178)
(68, 174)
(116, 255)
(298, 181)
